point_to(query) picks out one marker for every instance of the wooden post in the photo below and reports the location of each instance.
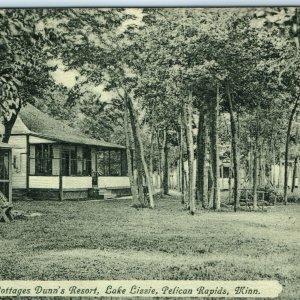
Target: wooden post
(61, 192)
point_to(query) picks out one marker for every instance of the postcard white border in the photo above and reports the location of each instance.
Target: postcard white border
(143, 3)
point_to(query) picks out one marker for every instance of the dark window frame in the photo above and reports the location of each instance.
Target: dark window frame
(43, 159)
(86, 161)
(106, 167)
(70, 163)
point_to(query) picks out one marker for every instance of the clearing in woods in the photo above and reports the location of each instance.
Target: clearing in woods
(111, 240)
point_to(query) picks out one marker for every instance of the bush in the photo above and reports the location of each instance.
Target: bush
(294, 198)
(272, 193)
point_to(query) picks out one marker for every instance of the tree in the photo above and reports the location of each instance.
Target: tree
(161, 74)
(24, 46)
(287, 20)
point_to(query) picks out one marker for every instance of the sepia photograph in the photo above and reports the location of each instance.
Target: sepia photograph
(155, 150)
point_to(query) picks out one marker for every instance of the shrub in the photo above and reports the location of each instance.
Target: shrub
(273, 193)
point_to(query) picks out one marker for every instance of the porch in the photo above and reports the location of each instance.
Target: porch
(66, 171)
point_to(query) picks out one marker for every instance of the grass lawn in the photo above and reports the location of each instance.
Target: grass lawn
(111, 240)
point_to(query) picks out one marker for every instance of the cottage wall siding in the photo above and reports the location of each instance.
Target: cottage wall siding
(77, 182)
(44, 182)
(32, 159)
(19, 158)
(113, 182)
(55, 160)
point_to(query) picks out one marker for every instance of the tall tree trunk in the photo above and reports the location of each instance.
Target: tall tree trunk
(133, 185)
(273, 165)
(137, 137)
(178, 162)
(215, 149)
(201, 158)
(188, 118)
(182, 163)
(159, 162)
(295, 173)
(235, 153)
(230, 180)
(287, 146)
(178, 186)
(255, 173)
(280, 172)
(152, 134)
(250, 163)
(199, 171)
(165, 164)
(162, 157)
(210, 187)
(9, 124)
(138, 168)
(263, 170)
(259, 169)
(256, 150)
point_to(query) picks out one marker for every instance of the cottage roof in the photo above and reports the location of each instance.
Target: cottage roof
(42, 125)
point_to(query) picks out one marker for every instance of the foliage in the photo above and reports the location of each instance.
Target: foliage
(156, 61)
(23, 71)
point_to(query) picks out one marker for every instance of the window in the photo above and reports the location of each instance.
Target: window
(124, 168)
(86, 162)
(115, 163)
(103, 163)
(112, 163)
(226, 172)
(43, 159)
(4, 174)
(69, 162)
(4, 165)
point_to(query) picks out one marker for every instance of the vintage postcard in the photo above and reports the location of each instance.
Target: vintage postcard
(150, 152)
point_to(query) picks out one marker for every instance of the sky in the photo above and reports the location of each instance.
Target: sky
(69, 78)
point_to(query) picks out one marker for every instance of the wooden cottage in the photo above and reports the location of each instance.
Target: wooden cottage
(55, 161)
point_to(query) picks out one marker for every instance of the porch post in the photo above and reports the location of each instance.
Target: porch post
(61, 192)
